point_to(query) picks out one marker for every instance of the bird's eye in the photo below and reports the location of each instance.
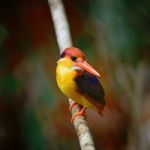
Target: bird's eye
(74, 58)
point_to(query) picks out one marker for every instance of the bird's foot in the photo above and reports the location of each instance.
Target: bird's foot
(72, 105)
(80, 113)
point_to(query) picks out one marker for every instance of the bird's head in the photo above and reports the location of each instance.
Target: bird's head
(76, 59)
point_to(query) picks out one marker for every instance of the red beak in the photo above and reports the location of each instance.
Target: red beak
(87, 67)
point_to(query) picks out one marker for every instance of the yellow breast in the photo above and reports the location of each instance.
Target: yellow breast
(65, 75)
(65, 78)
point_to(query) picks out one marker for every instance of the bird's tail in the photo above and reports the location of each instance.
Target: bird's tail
(100, 109)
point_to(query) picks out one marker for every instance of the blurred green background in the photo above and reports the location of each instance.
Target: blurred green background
(115, 35)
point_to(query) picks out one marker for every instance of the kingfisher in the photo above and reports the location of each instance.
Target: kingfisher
(78, 80)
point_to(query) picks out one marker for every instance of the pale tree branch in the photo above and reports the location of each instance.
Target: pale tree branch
(64, 40)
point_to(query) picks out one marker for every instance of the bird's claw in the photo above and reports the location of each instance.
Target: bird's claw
(72, 105)
(80, 113)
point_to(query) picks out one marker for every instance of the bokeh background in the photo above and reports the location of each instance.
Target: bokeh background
(115, 35)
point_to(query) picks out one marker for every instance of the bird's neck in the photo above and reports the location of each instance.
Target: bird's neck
(65, 71)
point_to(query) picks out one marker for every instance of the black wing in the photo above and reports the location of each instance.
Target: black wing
(90, 86)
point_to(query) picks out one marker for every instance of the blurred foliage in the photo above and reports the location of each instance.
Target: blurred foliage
(3, 35)
(115, 36)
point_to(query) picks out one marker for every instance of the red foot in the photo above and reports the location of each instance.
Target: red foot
(80, 113)
(72, 105)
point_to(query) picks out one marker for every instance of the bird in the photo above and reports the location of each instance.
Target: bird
(78, 80)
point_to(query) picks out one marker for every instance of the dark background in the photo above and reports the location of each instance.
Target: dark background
(115, 35)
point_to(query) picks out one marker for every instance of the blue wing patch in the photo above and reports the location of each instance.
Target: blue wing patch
(90, 86)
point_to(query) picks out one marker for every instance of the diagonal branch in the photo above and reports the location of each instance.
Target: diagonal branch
(64, 40)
